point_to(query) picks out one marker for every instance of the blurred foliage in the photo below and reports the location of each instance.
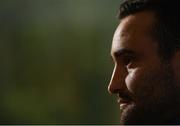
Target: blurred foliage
(55, 64)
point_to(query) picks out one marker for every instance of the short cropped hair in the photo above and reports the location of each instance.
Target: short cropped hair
(166, 29)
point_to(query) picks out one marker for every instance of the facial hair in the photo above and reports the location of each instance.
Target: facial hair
(157, 99)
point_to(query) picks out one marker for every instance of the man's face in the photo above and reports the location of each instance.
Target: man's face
(145, 85)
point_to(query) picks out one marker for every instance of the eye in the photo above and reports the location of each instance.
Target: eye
(128, 59)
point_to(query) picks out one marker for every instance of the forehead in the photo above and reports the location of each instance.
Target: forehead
(134, 33)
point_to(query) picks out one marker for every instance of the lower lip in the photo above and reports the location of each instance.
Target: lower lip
(123, 106)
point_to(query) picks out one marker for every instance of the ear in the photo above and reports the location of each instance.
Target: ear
(176, 65)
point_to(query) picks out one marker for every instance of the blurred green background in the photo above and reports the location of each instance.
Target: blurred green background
(55, 63)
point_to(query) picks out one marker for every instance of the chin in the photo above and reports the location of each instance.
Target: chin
(133, 115)
(136, 115)
(127, 113)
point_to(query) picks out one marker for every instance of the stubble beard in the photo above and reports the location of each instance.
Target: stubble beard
(158, 99)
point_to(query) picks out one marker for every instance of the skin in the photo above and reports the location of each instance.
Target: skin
(145, 85)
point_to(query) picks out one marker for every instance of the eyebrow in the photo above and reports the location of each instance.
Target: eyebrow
(121, 52)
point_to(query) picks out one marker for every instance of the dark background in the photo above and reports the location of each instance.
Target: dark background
(55, 61)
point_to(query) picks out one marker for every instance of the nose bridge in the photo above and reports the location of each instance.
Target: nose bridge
(117, 81)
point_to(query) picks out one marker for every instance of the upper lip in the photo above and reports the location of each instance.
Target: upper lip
(122, 101)
(124, 98)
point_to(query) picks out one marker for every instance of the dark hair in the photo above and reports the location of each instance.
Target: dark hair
(166, 29)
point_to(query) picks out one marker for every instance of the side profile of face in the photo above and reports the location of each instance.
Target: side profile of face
(146, 87)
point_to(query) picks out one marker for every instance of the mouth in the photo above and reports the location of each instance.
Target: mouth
(123, 103)
(124, 100)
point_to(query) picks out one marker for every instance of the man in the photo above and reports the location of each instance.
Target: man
(146, 53)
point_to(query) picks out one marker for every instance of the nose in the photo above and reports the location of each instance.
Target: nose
(117, 82)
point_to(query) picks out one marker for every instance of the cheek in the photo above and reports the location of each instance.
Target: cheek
(132, 80)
